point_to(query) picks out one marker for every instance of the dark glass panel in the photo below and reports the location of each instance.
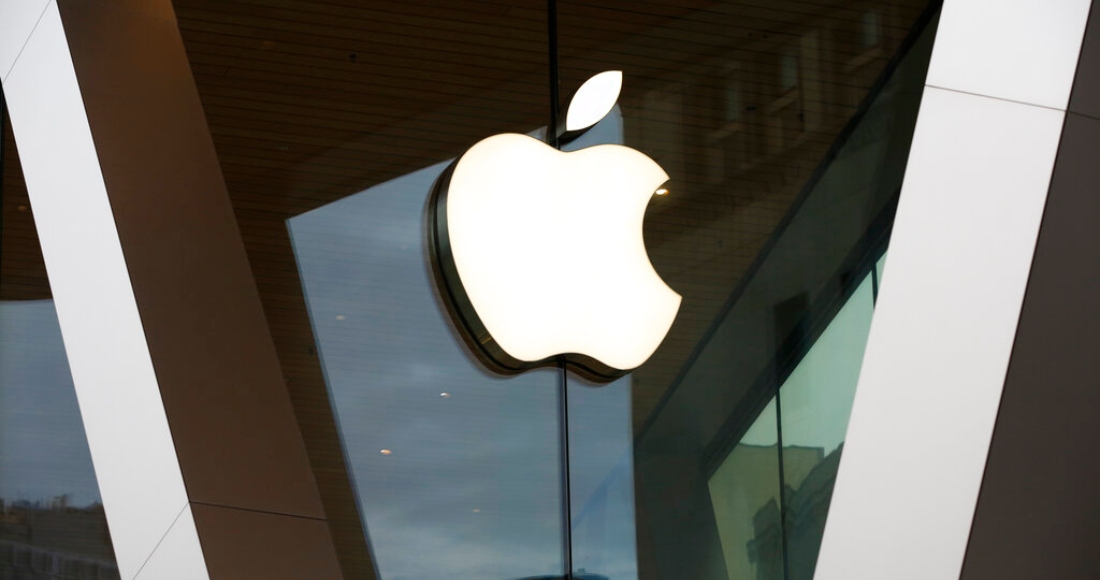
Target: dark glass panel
(456, 470)
(816, 400)
(785, 128)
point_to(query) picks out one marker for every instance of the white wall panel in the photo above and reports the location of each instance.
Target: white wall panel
(17, 20)
(960, 256)
(940, 339)
(1022, 50)
(178, 556)
(131, 445)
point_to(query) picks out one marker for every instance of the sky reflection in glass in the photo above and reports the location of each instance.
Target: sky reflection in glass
(471, 488)
(43, 452)
(471, 484)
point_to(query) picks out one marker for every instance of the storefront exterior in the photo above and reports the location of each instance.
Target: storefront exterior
(228, 347)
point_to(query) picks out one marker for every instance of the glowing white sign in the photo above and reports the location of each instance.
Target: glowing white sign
(541, 252)
(593, 100)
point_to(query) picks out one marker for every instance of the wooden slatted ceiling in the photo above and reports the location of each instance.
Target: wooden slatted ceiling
(291, 80)
(22, 271)
(311, 101)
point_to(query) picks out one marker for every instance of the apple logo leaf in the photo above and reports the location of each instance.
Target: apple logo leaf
(593, 100)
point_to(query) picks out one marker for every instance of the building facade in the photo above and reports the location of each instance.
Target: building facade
(227, 349)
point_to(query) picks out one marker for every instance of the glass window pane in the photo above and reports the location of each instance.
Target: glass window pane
(336, 118)
(745, 491)
(816, 403)
(601, 478)
(785, 130)
(457, 471)
(772, 210)
(817, 396)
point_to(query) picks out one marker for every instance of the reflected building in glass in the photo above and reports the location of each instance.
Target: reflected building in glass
(323, 410)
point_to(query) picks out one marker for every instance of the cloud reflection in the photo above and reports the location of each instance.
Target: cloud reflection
(492, 444)
(472, 486)
(43, 451)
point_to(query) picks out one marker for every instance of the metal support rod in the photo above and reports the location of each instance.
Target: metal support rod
(566, 499)
(563, 387)
(782, 483)
(555, 103)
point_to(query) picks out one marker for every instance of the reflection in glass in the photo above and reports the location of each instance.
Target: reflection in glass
(601, 478)
(786, 133)
(816, 402)
(52, 524)
(745, 493)
(817, 396)
(470, 483)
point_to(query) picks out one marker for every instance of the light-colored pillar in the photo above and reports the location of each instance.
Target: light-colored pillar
(199, 459)
(961, 250)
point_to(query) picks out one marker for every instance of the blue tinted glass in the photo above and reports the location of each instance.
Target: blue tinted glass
(52, 523)
(457, 471)
(601, 478)
(786, 140)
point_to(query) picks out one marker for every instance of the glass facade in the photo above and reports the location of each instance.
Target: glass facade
(708, 439)
(785, 128)
(771, 491)
(716, 458)
(447, 458)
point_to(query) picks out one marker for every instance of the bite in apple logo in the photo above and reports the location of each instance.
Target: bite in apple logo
(540, 252)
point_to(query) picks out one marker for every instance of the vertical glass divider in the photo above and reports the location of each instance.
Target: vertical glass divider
(566, 495)
(782, 482)
(552, 57)
(563, 389)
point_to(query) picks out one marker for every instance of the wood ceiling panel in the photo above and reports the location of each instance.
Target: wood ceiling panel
(22, 271)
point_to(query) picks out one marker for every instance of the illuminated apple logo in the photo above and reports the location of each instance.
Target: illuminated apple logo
(540, 252)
